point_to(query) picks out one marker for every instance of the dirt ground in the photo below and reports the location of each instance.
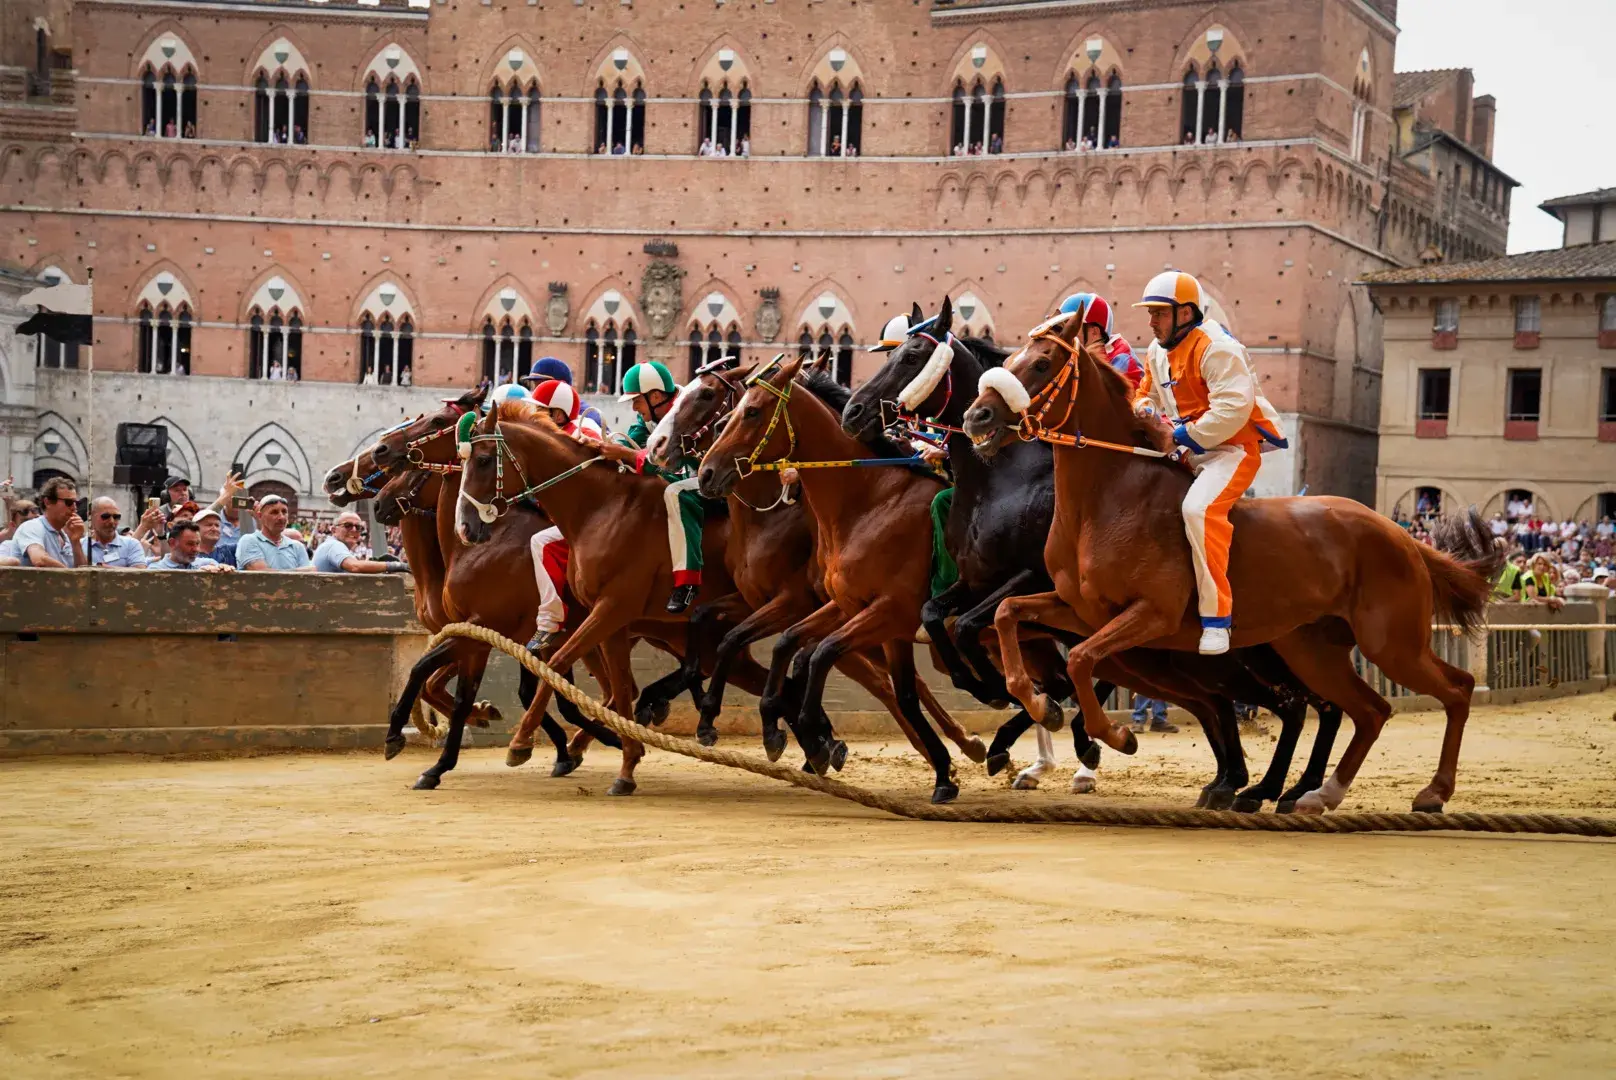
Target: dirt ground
(309, 916)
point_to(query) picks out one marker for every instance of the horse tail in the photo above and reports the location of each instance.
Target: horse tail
(1463, 564)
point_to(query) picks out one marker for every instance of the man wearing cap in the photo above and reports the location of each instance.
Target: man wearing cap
(270, 548)
(214, 543)
(107, 548)
(336, 554)
(651, 390)
(178, 490)
(1197, 378)
(548, 368)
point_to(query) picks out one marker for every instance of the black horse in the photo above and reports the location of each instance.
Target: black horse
(1001, 515)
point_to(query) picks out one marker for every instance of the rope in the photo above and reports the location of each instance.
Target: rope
(1033, 814)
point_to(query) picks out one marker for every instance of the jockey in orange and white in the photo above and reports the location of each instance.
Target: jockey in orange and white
(1197, 378)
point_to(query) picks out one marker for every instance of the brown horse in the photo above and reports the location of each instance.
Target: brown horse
(771, 555)
(619, 570)
(873, 531)
(1311, 576)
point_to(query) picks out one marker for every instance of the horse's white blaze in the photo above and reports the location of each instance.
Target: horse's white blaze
(663, 432)
(921, 386)
(1008, 387)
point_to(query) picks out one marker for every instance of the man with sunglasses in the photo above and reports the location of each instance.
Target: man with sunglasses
(107, 547)
(55, 538)
(336, 554)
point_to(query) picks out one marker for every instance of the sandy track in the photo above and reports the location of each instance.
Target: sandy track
(309, 916)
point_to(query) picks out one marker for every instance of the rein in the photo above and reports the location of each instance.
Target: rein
(1033, 428)
(417, 460)
(492, 510)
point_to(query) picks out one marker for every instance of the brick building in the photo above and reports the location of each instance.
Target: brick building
(450, 189)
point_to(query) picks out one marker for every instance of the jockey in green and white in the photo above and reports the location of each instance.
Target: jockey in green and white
(651, 390)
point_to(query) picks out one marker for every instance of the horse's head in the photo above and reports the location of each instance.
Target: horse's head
(428, 439)
(353, 480)
(408, 492)
(758, 430)
(1033, 375)
(691, 422)
(482, 477)
(914, 379)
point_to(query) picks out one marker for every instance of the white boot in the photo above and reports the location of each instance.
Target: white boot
(1214, 640)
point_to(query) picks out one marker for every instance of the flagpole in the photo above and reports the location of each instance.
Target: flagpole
(89, 395)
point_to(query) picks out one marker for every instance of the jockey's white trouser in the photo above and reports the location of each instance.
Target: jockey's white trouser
(1224, 473)
(551, 611)
(677, 547)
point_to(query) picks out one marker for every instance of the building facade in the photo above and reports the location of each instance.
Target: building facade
(1500, 385)
(377, 199)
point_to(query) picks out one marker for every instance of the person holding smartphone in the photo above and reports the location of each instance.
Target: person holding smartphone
(55, 538)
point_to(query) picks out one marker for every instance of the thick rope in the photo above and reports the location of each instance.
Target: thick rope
(1033, 814)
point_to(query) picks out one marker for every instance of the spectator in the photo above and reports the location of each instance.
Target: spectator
(339, 553)
(1157, 710)
(185, 551)
(185, 511)
(1541, 584)
(107, 546)
(273, 547)
(54, 538)
(1508, 586)
(214, 546)
(177, 489)
(20, 510)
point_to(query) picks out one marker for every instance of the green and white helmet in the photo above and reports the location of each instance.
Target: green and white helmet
(643, 378)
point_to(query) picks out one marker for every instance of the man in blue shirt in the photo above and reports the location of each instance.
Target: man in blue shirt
(269, 548)
(54, 539)
(185, 551)
(336, 554)
(214, 544)
(107, 547)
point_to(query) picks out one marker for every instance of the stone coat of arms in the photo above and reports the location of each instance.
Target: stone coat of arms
(662, 298)
(557, 310)
(768, 316)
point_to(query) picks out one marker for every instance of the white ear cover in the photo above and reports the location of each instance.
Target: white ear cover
(921, 386)
(1007, 386)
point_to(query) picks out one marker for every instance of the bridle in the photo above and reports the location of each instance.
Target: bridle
(501, 503)
(782, 399)
(413, 457)
(1033, 428)
(690, 444)
(913, 422)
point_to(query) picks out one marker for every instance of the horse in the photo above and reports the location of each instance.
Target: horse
(771, 554)
(1312, 576)
(870, 523)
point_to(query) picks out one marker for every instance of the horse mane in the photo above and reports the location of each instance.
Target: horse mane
(823, 385)
(1140, 432)
(988, 353)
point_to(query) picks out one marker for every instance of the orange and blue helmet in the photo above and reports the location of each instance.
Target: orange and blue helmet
(1170, 288)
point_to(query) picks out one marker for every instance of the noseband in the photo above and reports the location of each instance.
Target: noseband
(1033, 428)
(500, 505)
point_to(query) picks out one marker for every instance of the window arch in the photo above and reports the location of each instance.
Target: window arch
(507, 349)
(165, 338)
(275, 344)
(281, 97)
(835, 119)
(1092, 119)
(513, 117)
(978, 118)
(168, 102)
(392, 112)
(725, 120)
(610, 349)
(619, 118)
(713, 342)
(1212, 109)
(1362, 94)
(386, 339)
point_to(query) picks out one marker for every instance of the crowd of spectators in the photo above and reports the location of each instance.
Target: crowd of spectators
(1545, 555)
(60, 530)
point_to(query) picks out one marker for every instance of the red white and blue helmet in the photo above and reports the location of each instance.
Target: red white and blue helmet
(556, 394)
(1097, 311)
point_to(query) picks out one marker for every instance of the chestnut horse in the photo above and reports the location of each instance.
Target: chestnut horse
(771, 554)
(1311, 576)
(873, 534)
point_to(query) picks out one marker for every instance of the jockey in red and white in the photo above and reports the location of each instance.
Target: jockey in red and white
(1198, 379)
(1099, 325)
(551, 550)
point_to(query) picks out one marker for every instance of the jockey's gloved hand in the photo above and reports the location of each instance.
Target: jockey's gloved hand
(1181, 435)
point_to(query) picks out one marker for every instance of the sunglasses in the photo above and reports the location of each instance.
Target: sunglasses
(111, 517)
(347, 525)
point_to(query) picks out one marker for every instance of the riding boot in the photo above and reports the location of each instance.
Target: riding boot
(682, 597)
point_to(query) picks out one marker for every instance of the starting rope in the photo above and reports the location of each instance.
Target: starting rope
(1357, 822)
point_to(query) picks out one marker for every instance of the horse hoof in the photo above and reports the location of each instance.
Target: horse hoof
(490, 712)
(707, 736)
(1082, 785)
(564, 766)
(1130, 744)
(999, 762)
(651, 714)
(818, 764)
(518, 755)
(944, 793)
(1090, 757)
(1025, 782)
(1285, 806)
(1311, 803)
(621, 786)
(1428, 806)
(427, 782)
(1247, 804)
(394, 746)
(1202, 800)
(774, 744)
(1050, 715)
(838, 755)
(975, 749)
(1220, 800)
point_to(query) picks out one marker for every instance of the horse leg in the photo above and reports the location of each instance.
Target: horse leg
(901, 662)
(1232, 774)
(433, 660)
(970, 745)
(934, 615)
(472, 661)
(871, 625)
(1012, 612)
(773, 705)
(1291, 715)
(1003, 739)
(1027, 779)
(1140, 622)
(1427, 673)
(873, 676)
(775, 615)
(1327, 670)
(588, 730)
(436, 693)
(602, 628)
(968, 630)
(1318, 763)
(615, 651)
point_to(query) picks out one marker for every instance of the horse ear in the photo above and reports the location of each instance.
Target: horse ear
(792, 366)
(945, 318)
(473, 398)
(916, 317)
(1071, 328)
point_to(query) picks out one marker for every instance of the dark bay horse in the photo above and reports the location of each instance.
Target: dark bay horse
(1311, 576)
(1002, 514)
(873, 533)
(772, 554)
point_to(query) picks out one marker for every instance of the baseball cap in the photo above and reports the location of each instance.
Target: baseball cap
(271, 500)
(172, 480)
(210, 512)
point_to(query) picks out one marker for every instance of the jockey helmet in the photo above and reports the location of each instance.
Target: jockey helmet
(644, 378)
(1171, 288)
(893, 334)
(507, 392)
(1097, 311)
(556, 394)
(549, 367)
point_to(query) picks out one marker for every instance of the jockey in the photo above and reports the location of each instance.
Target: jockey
(1099, 328)
(549, 548)
(546, 368)
(651, 389)
(1198, 379)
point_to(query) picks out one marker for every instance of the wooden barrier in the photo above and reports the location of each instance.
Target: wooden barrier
(105, 661)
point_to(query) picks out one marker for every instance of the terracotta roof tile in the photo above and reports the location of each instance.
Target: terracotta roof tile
(1409, 86)
(1590, 261)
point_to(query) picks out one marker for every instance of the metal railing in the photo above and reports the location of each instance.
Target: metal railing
(1454, 648)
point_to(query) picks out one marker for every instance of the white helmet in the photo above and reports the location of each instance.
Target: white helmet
(1171, 288)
